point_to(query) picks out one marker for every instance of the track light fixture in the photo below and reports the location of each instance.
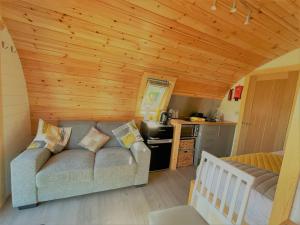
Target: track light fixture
(234, 6)
(248, 18)
(214, 5)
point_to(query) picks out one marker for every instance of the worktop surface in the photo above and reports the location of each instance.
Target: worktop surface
(183, 122)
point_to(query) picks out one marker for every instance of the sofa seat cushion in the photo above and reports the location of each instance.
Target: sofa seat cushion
(114, 166)
(71, 166)
(176, 216)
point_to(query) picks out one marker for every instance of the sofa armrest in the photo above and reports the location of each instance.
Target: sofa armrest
(23, 175)
(142, 156)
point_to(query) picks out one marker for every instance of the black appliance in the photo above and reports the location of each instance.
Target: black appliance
(189, 131)
(158, 138)
(164, 117)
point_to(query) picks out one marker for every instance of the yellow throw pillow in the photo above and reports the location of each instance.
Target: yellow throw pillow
(127, 134)
(51, 137)
(36, 144)
(128, 140)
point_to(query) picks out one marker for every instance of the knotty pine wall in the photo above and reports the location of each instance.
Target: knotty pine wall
(85, 60)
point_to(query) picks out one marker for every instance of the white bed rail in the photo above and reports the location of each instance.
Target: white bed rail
(218, 187)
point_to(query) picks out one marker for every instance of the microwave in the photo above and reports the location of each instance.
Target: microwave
(189, 131)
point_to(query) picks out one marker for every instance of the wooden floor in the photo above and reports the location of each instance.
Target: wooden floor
(118, 207)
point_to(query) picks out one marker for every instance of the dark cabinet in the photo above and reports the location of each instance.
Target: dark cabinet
(158, 138)
(160, 156)
(215, 139)
(156, 131)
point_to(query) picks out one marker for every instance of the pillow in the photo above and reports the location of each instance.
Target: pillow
(127, 134)
(36, 144)
(51, 137)
(94, 140)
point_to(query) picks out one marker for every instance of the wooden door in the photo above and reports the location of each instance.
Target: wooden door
(267, 112)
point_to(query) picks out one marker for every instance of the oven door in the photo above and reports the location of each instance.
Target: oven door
(160, 154)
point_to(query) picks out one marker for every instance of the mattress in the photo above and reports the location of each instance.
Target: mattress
(262, 160)
(261, 196)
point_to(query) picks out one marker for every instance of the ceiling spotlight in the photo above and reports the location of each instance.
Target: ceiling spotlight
(214, 5)
(233, 8)
(248, 18)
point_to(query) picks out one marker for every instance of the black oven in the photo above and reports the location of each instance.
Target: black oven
(158, 138)
(189, 131)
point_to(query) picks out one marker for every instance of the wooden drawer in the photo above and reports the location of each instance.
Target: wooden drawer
(188, 144)
(185, 158)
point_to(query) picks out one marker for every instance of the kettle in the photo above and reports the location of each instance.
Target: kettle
(164, 117)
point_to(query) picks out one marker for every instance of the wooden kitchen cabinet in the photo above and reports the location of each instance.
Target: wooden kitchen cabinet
(215, 139)
(222, 135)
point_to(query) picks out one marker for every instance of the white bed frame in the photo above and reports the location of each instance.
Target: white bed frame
(209, 206)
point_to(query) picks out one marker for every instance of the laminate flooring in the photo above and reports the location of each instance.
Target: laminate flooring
(124, 206)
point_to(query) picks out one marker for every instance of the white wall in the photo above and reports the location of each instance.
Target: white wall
(289, 59)
(231, 109)
(15, 109)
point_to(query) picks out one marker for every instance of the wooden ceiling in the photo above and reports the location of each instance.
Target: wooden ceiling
(85, 59)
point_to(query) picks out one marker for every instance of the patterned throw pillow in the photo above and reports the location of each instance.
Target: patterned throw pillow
(127, 134)
(51, 137)
(36, 144)
(94, 140)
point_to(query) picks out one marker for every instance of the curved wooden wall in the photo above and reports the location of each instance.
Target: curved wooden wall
(84, 60)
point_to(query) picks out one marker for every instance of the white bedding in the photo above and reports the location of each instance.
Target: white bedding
(258, 209)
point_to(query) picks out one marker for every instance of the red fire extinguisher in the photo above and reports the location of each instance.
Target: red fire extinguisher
(238, 92)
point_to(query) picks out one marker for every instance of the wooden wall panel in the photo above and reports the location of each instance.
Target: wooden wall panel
(86, 60)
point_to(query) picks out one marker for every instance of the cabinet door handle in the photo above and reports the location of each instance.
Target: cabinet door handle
(154, 146)
(162, 130)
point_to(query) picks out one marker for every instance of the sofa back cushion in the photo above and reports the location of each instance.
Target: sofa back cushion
(79, 130)
(106, 128)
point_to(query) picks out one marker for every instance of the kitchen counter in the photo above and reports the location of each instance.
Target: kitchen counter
(175, 122)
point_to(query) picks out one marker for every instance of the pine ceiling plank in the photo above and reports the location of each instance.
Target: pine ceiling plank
(166, 31)
(282, 13)
(77, 31)
(206, 22)
(59, 37)
(236, 20)
(264, 15)
(261, 24)
(207, 42)
(84, 56)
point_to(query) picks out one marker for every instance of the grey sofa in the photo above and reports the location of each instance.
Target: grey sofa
(38, 176)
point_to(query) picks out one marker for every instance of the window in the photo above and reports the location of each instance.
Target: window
(155, 93)
(153, 97)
